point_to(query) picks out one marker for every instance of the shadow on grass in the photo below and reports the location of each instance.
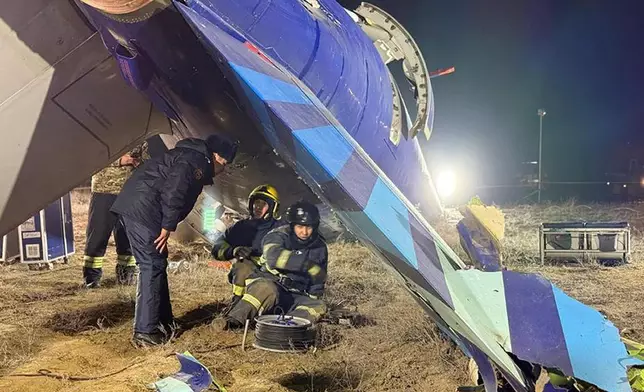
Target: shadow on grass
(97, 317)
(330, 379)
(202, 315)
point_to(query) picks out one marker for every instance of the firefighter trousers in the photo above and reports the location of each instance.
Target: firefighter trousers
(266, 296)
(153, 311)
(101, 224)
(239, 272)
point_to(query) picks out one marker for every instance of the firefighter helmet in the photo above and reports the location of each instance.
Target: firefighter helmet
(269, 194)
(303, 213)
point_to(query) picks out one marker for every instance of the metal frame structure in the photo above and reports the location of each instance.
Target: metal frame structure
(585, 240)
(9, 247)
(35, 233)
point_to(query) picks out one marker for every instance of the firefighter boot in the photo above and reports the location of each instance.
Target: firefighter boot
(125, 275)
(92, 277)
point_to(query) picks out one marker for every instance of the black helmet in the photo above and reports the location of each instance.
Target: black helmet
(303, 213)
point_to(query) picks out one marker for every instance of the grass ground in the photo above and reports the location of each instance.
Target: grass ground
(48, 321)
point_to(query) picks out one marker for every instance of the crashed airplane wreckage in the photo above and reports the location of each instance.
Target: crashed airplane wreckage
(304, 85)
(561, 343)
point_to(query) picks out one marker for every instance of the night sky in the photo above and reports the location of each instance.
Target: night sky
(581, 60)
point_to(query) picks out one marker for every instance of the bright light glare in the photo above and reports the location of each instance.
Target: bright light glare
(446, 183)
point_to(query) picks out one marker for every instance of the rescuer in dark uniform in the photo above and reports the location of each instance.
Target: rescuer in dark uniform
(106, 185)
(159, 195)
(243, 241)
(294, 271)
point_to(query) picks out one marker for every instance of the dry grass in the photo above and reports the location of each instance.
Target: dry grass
(47, 320)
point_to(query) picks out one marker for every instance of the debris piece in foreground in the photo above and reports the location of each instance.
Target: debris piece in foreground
(192, 377)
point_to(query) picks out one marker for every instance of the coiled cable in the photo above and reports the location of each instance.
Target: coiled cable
(282, 333)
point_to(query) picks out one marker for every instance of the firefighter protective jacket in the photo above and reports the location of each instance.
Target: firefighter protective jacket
(297, 266)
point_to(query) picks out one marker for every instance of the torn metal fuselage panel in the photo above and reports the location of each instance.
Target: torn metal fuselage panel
(535, 320)
(497, 312)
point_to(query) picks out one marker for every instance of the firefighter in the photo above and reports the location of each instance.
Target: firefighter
(243, 241)
(106, 185)
(293, 272)
(159, 195)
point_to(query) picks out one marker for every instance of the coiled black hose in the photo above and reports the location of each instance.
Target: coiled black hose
(284, 333)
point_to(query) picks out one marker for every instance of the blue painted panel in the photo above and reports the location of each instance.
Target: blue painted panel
(593, 343)
(329, 148)
(392, 217)
(271, 89)
(54, 230)
(338, 63)
(260, 111)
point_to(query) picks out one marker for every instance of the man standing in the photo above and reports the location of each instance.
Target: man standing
(243, 241)
(106, 185)
(159, 195)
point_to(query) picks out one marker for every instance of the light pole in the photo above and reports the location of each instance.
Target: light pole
(540, 113)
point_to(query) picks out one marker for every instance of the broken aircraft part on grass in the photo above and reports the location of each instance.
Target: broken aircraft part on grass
(533, 319)
(191, 377)
(317, 112)
(481, 231)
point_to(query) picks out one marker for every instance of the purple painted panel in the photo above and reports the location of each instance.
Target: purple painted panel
(486, 370)
(233, 53)
(358, 180)
(551, 388)
(535, 336)
(298, 116)
(486, 259)
(428, 262)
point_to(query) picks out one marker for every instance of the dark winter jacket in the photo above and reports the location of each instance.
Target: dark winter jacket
(297, 266)
(247, 232)
(163, 191)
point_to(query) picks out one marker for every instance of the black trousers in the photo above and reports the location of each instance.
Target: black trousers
(101, 224)
(153, 311)
(265, 296)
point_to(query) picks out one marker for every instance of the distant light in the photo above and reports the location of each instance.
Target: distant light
(642, 181)
(608, 183)
(446, 183)
(624, 185)
(541, 112)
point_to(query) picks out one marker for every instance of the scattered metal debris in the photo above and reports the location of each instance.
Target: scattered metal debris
(192, 377)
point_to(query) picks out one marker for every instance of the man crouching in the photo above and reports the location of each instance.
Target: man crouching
(243, 241)
(293, 272)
